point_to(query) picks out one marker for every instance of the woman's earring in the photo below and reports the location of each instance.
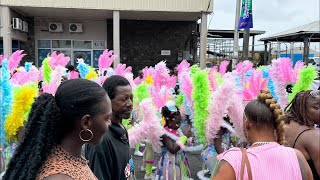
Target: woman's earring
(86, 140)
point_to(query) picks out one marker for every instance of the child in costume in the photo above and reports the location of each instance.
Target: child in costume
(173, 163)
(222, 142)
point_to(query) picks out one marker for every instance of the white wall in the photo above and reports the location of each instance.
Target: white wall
(135, 5)
(92, 29)
(15, 34)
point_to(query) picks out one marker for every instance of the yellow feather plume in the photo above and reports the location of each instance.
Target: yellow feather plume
(23, 98)
(91, 75)
(149, 80)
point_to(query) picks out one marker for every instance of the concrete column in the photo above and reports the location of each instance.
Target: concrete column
(305, 50)
(245, 51)
(203, 40)
(116, 36)
(6, 30)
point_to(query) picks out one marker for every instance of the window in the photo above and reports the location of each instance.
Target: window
(82, 44)
(44, 44)
(61, 43)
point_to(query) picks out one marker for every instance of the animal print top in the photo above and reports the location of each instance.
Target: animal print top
(61, 162)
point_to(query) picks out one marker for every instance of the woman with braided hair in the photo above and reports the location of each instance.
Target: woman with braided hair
(302, 114)
(266, 157)
(57, 128)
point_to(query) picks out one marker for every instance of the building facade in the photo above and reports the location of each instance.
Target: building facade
(141, 32)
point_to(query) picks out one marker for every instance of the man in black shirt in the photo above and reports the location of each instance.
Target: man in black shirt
(111, 160)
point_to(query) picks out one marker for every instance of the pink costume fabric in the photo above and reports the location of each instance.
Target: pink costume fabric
(268, 162)
(138, 80)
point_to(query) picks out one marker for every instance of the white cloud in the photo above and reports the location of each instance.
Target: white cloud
(272, 16)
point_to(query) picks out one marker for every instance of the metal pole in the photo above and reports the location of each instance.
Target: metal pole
(236, 32)
(252, 51)
(265, 58)
(278, 50)
(292, 51)
(305, 50)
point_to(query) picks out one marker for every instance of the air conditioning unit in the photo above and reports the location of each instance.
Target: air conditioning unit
(75, 27)
(17, 23)
(55, 27)
(25, 26)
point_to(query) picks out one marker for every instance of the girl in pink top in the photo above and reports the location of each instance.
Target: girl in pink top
(265, 158)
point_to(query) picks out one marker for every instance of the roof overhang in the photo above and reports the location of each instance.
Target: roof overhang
(229, 34)
(313, 36)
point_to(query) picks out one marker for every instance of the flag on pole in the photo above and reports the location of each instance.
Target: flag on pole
(245, 21)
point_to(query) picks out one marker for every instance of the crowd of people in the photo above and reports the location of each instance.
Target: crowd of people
(65, 122)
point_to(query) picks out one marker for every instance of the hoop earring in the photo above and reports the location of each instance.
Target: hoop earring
(86, 140)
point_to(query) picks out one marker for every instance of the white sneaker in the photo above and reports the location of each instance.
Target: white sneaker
(152, 176)
(142, 145)
(138, 153)
(143, 169)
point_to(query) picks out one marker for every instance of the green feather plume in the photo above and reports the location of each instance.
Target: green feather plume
(305, 79)
(200, 96)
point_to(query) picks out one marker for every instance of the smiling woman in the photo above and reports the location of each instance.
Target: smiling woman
(301, 115)
(56, 130)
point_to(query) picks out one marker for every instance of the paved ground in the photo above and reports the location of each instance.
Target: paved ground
(194, 160)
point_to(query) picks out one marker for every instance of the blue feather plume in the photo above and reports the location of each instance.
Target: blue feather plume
(6, 97)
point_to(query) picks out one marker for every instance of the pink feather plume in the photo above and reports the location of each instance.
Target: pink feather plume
(21, 77)
(223, 67)
(183, 66)
(282, 73)
(235, 112)
(15, 59)
(297, 67)
(121, 69)
(219, 102)
(129, 77)
(160, 97)
(213, 83)
(106, 59)
(254, 85)
(59, 59)
(73, 75)
(149, 128)
(186, 85)
(56, 78)
(162, 76)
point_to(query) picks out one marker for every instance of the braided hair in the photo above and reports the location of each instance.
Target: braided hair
(296, 110)
(50, 120)
(265, 112)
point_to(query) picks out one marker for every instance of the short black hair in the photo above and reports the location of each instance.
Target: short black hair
(111, 83)
(70, 67)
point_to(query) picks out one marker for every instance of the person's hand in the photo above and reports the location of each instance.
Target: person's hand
(186, 131)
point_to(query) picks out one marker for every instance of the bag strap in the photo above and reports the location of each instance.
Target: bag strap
(245, 162)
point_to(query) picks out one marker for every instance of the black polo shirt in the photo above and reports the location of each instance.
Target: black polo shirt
(110, 159)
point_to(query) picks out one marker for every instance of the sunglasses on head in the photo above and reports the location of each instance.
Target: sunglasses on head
(315, 93)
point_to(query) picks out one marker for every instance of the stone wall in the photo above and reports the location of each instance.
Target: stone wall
(142, 41)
